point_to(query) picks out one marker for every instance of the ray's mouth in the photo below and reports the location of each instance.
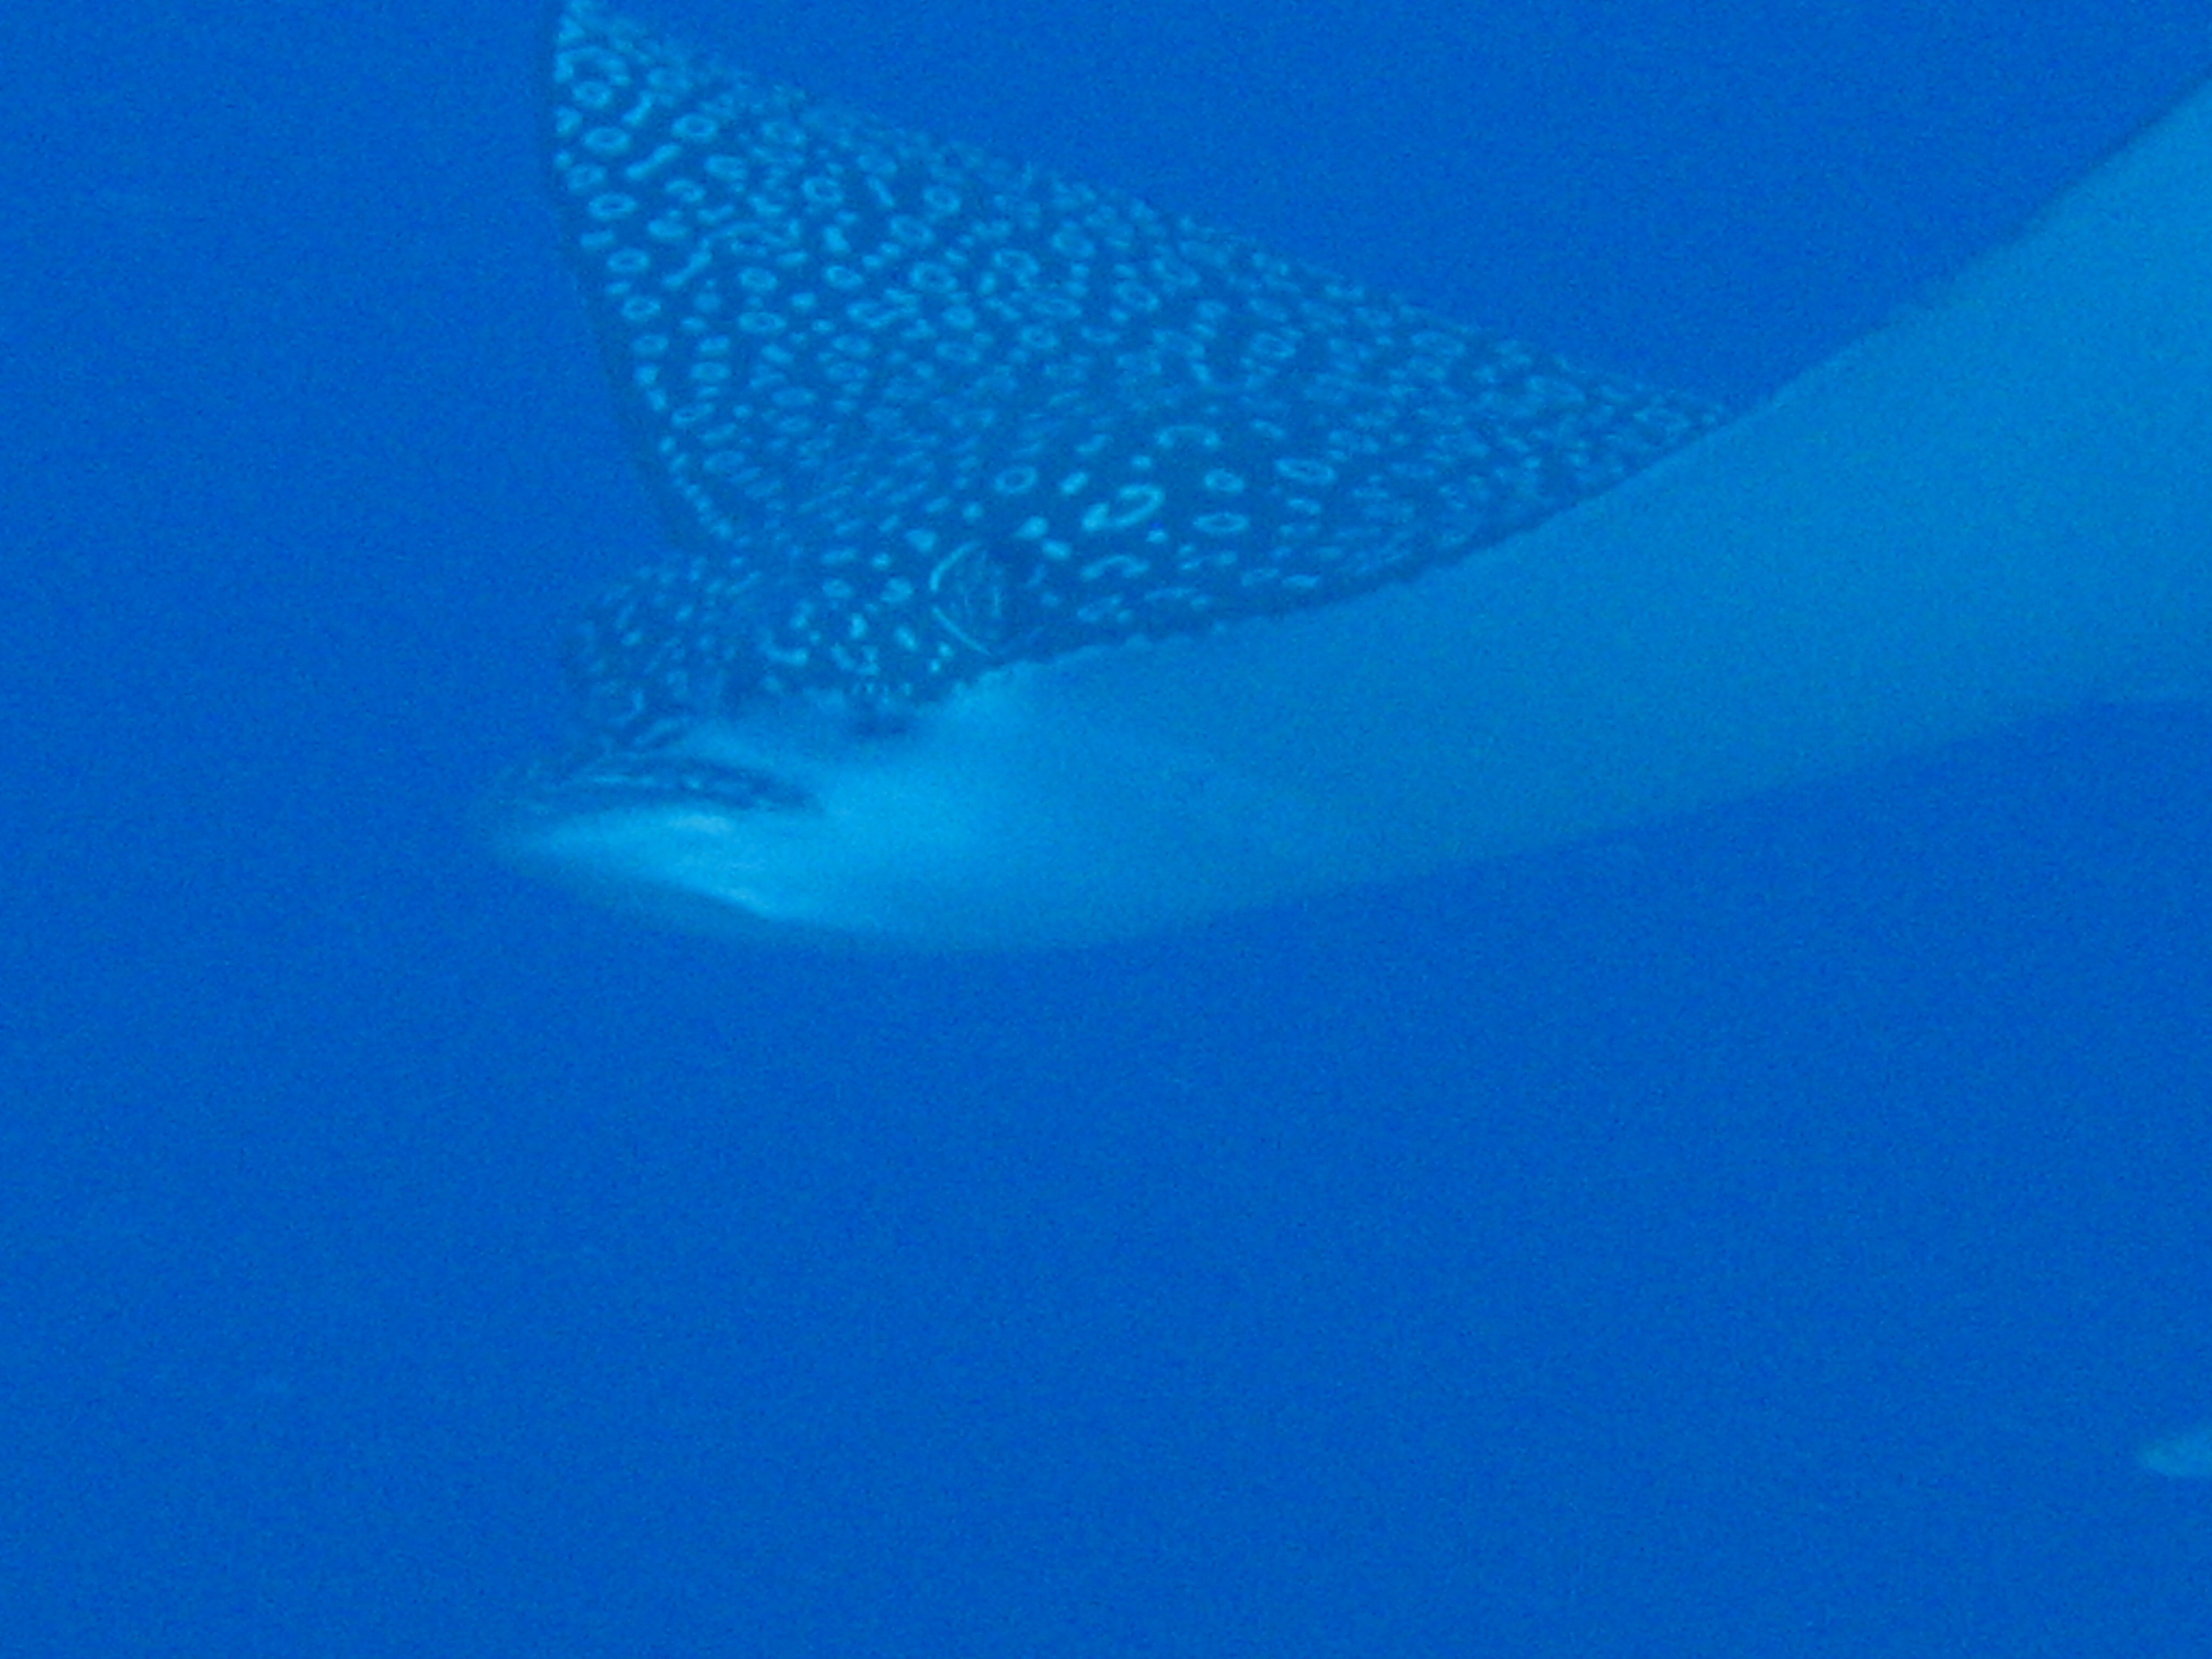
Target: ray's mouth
(598, 780)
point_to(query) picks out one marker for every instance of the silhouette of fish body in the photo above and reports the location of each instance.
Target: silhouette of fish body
(1046, 568)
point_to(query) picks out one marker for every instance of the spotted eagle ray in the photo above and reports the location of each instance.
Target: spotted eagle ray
(1046, 568)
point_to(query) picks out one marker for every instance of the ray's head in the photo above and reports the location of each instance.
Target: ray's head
(703, 827)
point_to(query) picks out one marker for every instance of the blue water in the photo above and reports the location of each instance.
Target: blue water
(1773, 1233)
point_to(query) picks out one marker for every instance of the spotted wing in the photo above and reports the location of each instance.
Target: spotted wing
(914, 412)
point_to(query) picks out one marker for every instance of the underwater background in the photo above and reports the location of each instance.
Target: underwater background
(1777, 1231)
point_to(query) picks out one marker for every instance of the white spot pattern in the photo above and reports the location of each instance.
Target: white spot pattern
(913, 411)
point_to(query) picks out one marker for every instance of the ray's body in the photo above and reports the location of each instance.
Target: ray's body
(1050, 570)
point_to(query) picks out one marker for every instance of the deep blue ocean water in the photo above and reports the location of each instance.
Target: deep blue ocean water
(1772, 1233)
